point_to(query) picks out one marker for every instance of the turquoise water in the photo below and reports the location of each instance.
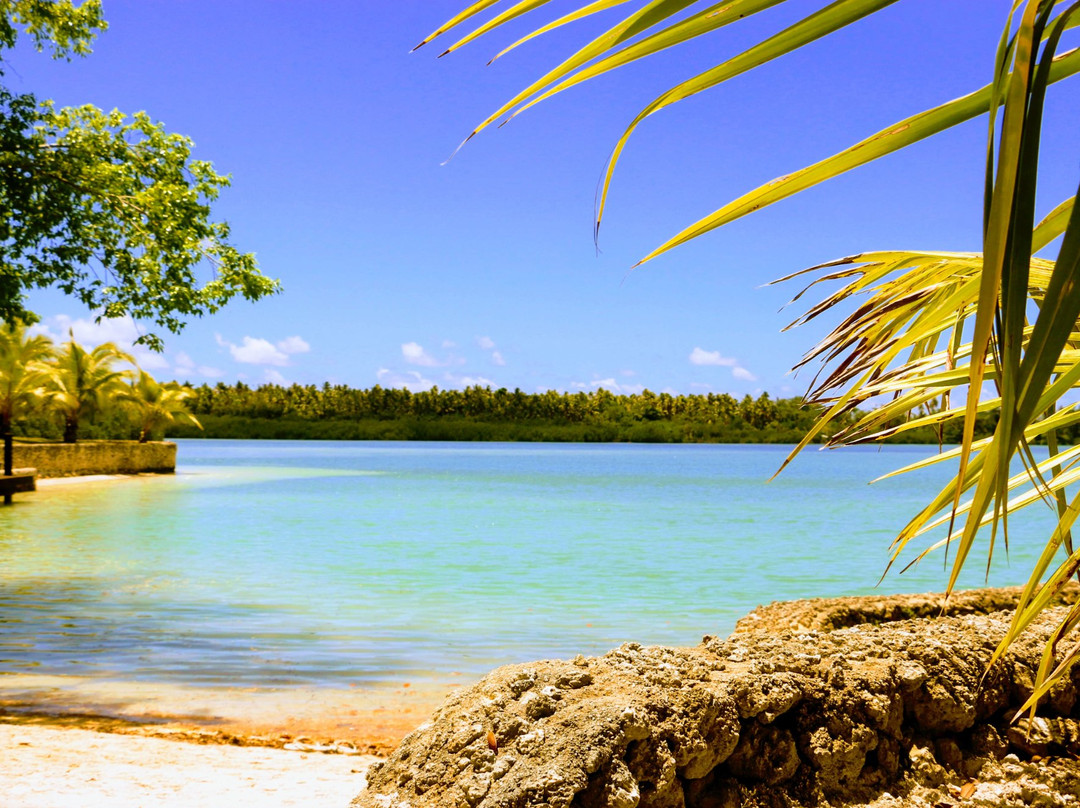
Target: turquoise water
(321, 564)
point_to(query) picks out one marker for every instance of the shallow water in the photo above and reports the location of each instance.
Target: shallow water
(310, 564)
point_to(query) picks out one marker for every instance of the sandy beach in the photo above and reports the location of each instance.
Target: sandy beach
(67, 742)
(66, 767)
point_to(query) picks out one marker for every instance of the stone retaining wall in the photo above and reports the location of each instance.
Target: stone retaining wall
(96, 457)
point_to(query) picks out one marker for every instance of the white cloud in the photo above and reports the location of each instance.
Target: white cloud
(488, 344)
(255, 351)
(183, 362)
(743, 374)
(699, 356)
(611, 386)
(415, 354)
(293, 345)
(258, 351)
(469, 381)
(184, 365)
(275, 377)
(147, 359)
(123, 331)
(411, 380)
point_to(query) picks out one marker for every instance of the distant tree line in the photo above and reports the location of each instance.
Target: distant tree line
(338, 412)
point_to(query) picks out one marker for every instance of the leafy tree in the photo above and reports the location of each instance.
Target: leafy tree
(23, 375)
(83, 383)
(109, 208)
(156, 405)
(927, 325)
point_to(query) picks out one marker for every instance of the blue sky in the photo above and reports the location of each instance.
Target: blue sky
(400, 270)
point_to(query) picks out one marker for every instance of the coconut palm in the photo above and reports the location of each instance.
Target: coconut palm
(82, 383)
(155, 405)
(927, 326)
(22, 377)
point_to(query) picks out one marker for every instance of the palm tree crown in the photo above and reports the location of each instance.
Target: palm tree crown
(82, 382)
(22, 371)
(156, 405)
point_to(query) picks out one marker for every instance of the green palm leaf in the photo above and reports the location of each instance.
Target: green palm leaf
(893, 138)
(566, 19)
(925, 328)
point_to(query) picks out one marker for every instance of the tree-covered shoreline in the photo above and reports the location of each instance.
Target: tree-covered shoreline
(339, 412)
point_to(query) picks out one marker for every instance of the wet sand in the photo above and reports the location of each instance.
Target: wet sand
(365, 720)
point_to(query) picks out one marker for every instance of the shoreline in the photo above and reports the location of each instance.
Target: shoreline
(54, 482)
(344, 721)
(373, 720)
(68, 742)
(378, 747)
(296, 749)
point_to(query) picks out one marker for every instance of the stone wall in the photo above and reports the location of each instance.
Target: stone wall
(96, 457)
(892, 715)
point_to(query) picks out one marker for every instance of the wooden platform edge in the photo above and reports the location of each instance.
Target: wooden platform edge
(18, 483)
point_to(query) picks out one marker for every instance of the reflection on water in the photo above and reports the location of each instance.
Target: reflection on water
(328, 565)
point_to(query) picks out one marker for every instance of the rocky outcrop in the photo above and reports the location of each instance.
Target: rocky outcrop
(829, 614)
(899, 714)
(96, 457)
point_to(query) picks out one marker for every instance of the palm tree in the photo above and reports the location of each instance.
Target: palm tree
(22, 377)
(927, 325)
(82, 383)
(155, 405)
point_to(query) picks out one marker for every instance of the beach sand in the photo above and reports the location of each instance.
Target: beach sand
(371, 719)
(80, 743)
(65, 767)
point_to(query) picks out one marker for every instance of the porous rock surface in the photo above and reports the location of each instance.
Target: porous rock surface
(898, 714)
(828, 614)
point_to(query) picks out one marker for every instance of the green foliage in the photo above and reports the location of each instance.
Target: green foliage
(83, 383)
(155, 405)
(73, 392)
(337, 412)
(58, 24)
(23, 372)
(109, 208)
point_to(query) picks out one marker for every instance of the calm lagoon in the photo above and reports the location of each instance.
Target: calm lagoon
(311, 564)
